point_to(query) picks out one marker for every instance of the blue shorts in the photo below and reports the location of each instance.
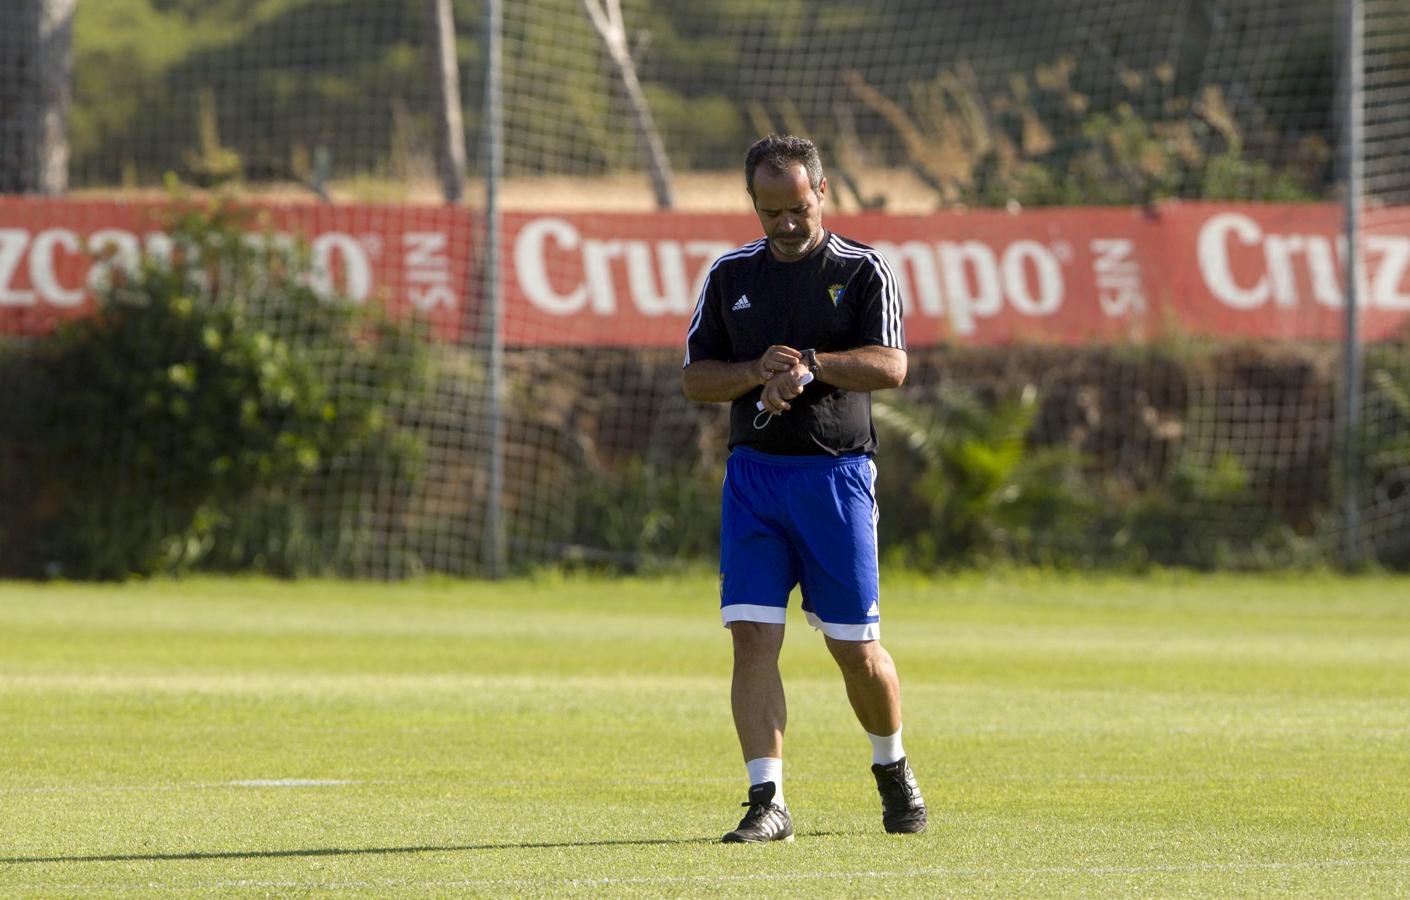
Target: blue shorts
(804, 520)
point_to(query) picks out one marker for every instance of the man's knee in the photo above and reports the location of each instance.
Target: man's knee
(860, 657)
(756, 640)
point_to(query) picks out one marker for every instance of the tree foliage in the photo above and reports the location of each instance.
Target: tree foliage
(206, 418)
(987, 109)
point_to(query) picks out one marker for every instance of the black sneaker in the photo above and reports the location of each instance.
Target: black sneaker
(766, 821)
(902, 806)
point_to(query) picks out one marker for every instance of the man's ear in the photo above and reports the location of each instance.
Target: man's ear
(822, 189)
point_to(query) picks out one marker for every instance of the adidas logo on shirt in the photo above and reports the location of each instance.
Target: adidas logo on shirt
(741, 303)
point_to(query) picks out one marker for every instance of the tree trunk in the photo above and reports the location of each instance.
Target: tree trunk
(445, 86)
(36, 67)
(608, 22)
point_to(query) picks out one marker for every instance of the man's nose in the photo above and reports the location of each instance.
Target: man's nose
(788, 224)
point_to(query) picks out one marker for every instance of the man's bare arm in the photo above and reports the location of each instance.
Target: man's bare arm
(866, 368)
(716, 381)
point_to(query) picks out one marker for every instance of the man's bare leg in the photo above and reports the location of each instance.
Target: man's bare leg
(760, 716)
(872, 684)
(874, 690)
(756, 693)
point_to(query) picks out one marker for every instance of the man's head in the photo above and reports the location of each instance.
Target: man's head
(784, 177)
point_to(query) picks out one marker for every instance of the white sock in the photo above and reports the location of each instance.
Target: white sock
(767, 768)
(886, 750)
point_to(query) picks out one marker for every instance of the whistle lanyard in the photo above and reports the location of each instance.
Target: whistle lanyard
(764, 417)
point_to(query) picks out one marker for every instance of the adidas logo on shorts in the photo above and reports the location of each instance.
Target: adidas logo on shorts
(741, 303)
(874, 609)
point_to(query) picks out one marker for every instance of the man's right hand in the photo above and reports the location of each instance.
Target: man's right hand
(716, 381)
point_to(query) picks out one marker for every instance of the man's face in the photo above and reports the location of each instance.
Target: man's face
(790, 210)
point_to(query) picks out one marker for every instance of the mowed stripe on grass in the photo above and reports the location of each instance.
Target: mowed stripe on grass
(1174, 735)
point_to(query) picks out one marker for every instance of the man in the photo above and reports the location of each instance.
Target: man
(795, 331)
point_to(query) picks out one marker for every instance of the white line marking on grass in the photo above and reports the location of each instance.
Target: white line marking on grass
(377, 685)
(940, 871)
(341, 782)
(985, 871)
(290, 782)
(189, 786)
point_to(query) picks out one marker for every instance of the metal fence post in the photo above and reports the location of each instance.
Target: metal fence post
(494, 163)
(1353, 138)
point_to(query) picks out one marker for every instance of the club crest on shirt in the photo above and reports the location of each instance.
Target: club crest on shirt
(835, 291)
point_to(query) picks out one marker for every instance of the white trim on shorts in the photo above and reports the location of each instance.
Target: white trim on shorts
(867, 631)
(752, 612)
(778, 615)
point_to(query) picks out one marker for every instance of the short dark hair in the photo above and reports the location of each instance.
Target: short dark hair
(778, 152)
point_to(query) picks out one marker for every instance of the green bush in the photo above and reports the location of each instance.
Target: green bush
(966, 487)
(645, 517)
(1384, 454)
(200, 416)
(1205, 517)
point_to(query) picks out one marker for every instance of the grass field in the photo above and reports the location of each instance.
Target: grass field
(1170, 736)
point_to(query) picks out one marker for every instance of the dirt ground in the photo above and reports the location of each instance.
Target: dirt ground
(719, 192)
(699, 192)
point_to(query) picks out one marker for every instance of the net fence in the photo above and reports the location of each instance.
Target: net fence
(1116, 222)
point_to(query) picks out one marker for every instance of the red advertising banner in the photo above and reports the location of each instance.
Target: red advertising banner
(1072, 275)
(1279, 270)
(54, 252)
(986, 276)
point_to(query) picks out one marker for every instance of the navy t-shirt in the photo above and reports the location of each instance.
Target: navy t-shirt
(840, 296)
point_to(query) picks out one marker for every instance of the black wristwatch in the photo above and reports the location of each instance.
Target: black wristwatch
(810, 359)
